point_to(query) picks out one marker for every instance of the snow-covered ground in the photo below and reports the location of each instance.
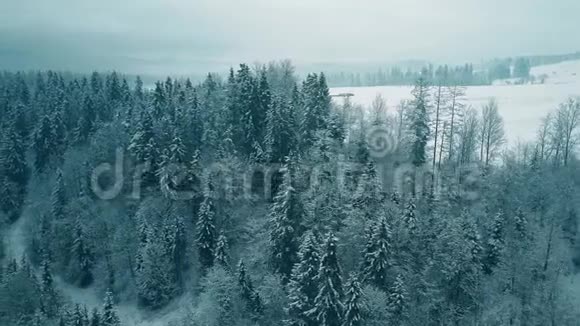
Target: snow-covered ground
(522, 106)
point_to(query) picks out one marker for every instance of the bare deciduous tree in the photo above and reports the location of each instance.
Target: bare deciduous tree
(468, 134)
(492, 132)
(440, 99)
(543, 138)
(379, 110)
(567, 123)
(456, 106)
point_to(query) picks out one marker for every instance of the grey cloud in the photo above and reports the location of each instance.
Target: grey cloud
(174, 36)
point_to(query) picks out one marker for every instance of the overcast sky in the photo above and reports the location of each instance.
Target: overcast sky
(180, 37)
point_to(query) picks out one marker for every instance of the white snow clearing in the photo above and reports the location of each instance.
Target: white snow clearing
(521, 106)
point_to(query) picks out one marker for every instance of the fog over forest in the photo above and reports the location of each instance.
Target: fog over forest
(294, 163)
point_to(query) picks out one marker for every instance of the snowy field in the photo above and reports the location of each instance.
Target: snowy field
(522, 106)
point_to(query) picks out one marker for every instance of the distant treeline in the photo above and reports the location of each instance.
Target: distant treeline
(463, 75)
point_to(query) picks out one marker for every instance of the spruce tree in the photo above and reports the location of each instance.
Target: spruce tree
(41, 143)
(248, 294)
(316, 108)
(378, 256)
(262, 105)
(109, 316)
(521, 223)
(281, 138)
(13, 173)
(49, 296)
(95, 318)
(409, 216)
(58, 198)
(143, 148)
(86, 123)
(353, 315)
(206, 233)
(495, 244)
(369, 249)
(159, 100)
(303, 286)
(175, 247)
(58, 135)
(420, 121)
(141, 138)
(245, 110)
(77, 317)
(138, 90)
(82, 257)
(222, 252)
(285, 217)
(398, 301)
(173, 158)
(473, 238)
(328, 306)
(155, 276)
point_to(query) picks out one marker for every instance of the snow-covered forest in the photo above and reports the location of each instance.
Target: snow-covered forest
(254, 198)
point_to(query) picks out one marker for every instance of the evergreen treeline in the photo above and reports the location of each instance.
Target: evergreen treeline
(461, 75)
(259, 201)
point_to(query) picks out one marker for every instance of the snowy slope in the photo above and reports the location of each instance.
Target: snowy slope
(567, 72)
(522, 106)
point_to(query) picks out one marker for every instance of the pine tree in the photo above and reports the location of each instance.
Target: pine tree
(353, 315)
(328, 307)
(285, 217)
(109, 316)
(378, 256)
(303, 286)
(206, 233)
